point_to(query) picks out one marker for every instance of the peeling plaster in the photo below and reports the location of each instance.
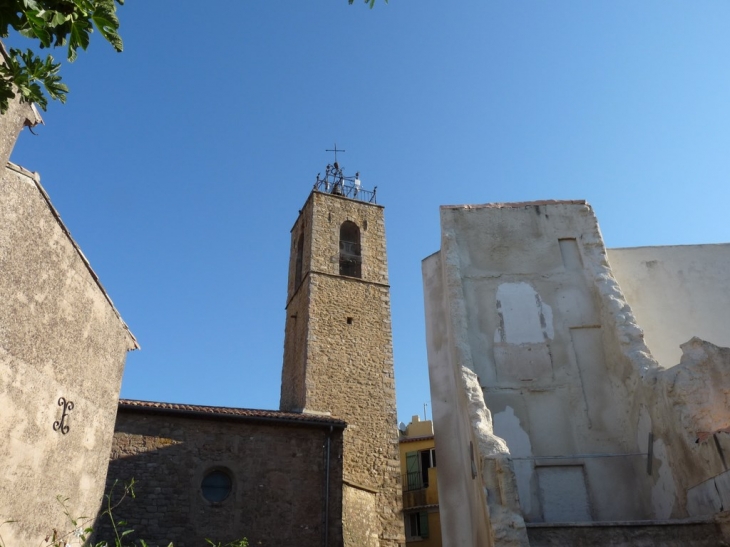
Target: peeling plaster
(664, 492)
(524, 317)
(512, 262)
(507, 425)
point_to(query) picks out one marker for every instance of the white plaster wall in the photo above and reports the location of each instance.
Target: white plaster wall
(462, 506)
(523, 295)
(676, 292)
(526, 316)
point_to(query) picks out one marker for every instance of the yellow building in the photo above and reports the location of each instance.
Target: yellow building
(420, 484)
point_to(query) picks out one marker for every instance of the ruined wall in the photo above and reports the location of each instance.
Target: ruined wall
(668, 407)
(688, 410)
(596, 429)
(676, 293)
(277, 469)
(532, 323)
(60, 340)
(338, 358)
(478, 500)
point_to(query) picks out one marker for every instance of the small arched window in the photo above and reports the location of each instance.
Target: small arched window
(350, 255)
(300, 258)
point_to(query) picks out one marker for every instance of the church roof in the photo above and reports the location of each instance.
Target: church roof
(252, 414)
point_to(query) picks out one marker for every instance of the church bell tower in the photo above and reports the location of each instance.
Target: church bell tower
(338, 353)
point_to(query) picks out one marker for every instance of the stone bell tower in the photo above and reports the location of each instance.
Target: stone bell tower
(338, 354)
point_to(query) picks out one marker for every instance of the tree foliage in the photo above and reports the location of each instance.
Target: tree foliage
(51, 24)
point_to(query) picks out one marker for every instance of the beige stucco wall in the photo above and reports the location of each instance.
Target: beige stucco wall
(419, 437)
(676, 292)
(12, 122)
(60, 336)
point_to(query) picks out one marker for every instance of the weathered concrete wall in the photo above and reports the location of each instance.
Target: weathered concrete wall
(676, 293)
(597, 430)
(278, 472)
(478, 501)
(338, 357)
(60, 337)
(529, 316)
(462, 502)
(690, 415)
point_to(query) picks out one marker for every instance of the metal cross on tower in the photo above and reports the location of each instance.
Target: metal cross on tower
(335, 151)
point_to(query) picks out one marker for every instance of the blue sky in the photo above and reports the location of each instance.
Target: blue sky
(180, 165)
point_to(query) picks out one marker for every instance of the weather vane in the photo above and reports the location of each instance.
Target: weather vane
(335, 150)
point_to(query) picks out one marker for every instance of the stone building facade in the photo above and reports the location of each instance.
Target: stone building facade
(282, 472)
(542, 379)
(63, 347)
(338, 356)
(330, 455)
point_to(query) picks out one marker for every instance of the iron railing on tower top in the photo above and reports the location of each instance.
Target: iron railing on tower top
(336, 183)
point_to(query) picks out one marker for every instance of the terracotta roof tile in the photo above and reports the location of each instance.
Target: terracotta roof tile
(415, 439)
(229, 412)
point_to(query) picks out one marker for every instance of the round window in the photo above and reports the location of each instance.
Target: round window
(216, 486)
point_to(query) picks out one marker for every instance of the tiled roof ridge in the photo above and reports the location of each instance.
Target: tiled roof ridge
(253, 413)
(415, 439)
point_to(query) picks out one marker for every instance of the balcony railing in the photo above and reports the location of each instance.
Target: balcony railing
(414, 481)
(351, 191)
(336, 183)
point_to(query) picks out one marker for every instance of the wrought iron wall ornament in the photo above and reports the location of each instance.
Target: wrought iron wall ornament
(60, 425)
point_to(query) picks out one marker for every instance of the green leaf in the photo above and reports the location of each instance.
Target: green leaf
(53, 23)
(78, 38)
(84, 7)
(38, 26)
(6, 94)
(57, 19)
(106, 21)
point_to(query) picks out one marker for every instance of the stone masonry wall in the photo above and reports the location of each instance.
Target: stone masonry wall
(293, 372)
(347, 364)
(278, 473)
(60, 337)
(329, 212)
(319, 222)
(361, 525)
